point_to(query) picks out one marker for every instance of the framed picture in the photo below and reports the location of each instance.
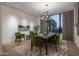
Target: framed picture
(23, 28)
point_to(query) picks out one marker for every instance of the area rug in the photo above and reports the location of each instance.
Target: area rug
(25, 49)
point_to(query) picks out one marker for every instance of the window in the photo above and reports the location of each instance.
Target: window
(55, 23)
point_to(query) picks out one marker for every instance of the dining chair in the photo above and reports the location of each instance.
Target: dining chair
(23, 36)
(55, 41)
(17, 37)
(31, 37)
(37, 42)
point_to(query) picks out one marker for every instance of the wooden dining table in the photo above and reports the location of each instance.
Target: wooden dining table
(45, 38)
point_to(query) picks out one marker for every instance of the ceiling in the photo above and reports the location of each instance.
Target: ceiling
(35, 8)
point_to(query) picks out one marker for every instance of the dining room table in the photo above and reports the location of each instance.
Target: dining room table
(45, 38)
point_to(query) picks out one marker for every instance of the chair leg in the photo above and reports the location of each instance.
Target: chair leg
(20, 40)
(24, 38)
(31, 47)
(56, 48)
(40, 51)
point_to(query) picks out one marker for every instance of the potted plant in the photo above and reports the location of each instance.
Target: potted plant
(36, 29)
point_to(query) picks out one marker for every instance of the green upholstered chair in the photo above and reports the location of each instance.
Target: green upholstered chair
(31, 37)
(37, 42)
(32, 33)
(23, 36)
(55, 41)
(17, 37)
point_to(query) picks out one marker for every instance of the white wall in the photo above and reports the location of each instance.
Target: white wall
(10, 20)
(37, 21)
(76, 37)
(0, 31)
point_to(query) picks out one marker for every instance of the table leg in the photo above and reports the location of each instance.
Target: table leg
(46, 47)
(31, 45)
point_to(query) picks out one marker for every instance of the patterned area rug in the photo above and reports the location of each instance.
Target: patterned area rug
(25, 49)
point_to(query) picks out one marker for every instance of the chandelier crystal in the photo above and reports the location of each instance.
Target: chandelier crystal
(45, 14)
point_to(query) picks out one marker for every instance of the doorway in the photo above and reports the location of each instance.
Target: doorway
(68, 25)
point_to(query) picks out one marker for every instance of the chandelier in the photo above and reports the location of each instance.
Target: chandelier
(45, 14)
